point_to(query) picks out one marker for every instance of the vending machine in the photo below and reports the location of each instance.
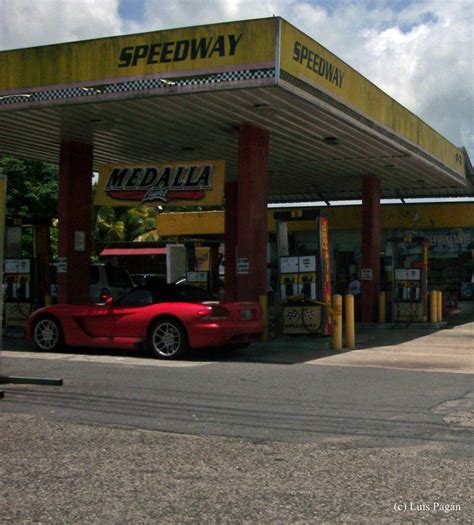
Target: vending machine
(304, 279)
(203, 267)
(200, 275)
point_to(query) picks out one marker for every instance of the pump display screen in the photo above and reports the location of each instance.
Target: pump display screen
(407, 285)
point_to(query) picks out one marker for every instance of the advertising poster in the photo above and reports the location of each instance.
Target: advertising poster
(191, 183)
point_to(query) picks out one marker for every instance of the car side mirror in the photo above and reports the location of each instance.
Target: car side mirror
(110, 302)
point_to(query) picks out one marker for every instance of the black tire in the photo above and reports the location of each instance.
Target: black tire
(167, 339)
(47, 334)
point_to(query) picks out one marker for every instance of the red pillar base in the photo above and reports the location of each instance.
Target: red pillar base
(370, 269)
(252, 196)
(75, 207)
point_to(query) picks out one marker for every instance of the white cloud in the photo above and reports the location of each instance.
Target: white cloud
(420, 52)
(26, 23)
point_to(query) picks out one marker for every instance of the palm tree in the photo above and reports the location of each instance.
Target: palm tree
(112, 224)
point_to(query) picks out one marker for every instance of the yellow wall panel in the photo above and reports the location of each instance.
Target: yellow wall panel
(410, 216)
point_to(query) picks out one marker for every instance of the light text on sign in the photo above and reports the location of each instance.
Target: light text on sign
(243, 265)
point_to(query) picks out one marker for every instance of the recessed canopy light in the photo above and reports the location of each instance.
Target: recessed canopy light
(331, 141)
(266, 110)
(102, 124)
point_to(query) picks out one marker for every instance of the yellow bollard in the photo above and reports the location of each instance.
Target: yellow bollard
(263, 301)
(433, 306)
(337, 322)
(349, 318)
(439, 304)
(382, 307)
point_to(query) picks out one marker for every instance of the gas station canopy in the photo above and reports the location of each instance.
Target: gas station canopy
(182, 94)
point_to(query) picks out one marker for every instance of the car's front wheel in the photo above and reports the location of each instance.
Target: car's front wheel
(167, 339)
(48, 334)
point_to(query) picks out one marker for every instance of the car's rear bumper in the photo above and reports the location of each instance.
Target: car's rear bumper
(224, 333)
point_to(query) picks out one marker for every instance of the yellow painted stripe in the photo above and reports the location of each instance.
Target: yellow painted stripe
(414, 216)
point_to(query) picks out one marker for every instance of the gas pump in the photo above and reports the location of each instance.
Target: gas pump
(18, 290)
(26, 280)
(304, 279)
(409, 279)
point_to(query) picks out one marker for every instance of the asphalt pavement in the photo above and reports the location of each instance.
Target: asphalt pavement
(287, 431)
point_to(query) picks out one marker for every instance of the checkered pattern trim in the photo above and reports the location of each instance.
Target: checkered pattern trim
(136, 86)
(292, 315)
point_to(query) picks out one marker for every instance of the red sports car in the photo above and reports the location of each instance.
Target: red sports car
(170, 319)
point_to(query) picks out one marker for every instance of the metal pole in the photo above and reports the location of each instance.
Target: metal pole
(337, 319)
(349, 317)
(433, 307)
(439, 304)
(263, 300)
(382, 307)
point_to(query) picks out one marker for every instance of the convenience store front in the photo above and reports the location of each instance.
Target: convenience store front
(447, 227)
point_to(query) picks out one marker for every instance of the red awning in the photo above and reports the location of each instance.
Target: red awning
(133, 251)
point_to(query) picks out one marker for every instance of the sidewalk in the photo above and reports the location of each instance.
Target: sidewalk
(422, 348)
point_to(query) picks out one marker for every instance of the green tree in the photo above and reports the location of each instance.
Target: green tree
(32, 189)
(112, 224)
(32, 196)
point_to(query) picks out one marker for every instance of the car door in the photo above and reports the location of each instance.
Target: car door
(131, 314)
(94, 320)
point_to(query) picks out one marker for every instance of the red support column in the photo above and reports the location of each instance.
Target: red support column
(75, 208)
(370, 287)
(230, 241)
(252, 232)
(43, 258)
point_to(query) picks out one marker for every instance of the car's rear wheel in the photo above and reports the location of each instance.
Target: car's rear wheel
(167, 339)
(48, 334)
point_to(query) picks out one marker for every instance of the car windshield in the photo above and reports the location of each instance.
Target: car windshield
(163, 293)
(117, 276)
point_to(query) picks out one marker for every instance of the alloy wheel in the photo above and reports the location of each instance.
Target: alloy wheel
(166, 339)
(46, 334)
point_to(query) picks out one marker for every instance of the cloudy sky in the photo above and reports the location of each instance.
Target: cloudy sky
(421, 52)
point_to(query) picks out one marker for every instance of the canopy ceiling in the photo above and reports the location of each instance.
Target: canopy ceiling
(323, 139)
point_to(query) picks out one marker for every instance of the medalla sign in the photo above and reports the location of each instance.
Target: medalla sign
(172, 183)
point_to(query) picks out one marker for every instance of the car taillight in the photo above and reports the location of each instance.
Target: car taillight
(104, 295)
(214, 313)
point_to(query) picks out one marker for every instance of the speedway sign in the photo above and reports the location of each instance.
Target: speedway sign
(193, 183)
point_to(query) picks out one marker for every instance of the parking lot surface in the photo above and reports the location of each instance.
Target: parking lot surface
(287, 431)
